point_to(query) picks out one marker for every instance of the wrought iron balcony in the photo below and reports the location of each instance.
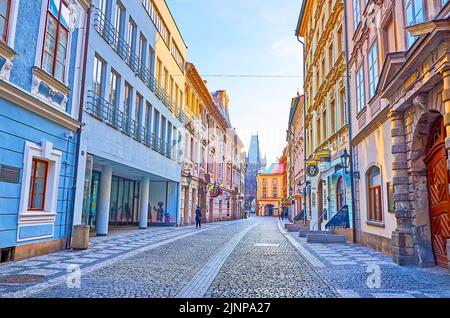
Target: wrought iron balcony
(110, 114)
(111, 35)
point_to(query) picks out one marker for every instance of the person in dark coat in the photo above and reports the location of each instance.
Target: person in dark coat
(198, 218)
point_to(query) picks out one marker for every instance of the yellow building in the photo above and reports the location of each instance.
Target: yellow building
(321, 24)
(270, 191)
(171, 54)
(198, 102)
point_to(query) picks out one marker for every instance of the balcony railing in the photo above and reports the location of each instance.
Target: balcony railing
(104, 111)
(109, 33)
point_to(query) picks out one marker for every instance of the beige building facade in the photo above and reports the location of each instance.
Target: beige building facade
(400, 95)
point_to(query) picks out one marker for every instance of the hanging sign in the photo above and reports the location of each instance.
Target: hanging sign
(312, 170)
(214, 190)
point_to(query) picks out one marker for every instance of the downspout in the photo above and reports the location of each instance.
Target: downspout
(349, 112)
(304, 126)
(80, 118)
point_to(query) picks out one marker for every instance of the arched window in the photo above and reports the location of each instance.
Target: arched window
(340, 194)
(375, 210)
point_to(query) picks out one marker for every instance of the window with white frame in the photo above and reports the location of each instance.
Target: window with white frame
(56, 39)
(360, 93)
(38, 184)
(414, 13)
(373, 69)
(40, 180)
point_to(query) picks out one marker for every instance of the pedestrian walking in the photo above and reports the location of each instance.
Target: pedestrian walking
(198, 218)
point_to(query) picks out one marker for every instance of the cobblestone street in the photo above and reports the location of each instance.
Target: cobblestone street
(249, 258)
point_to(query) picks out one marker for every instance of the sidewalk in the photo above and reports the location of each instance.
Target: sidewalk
(359, 271)
(103, 251)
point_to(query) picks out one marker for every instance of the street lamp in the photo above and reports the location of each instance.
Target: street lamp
(345, 160)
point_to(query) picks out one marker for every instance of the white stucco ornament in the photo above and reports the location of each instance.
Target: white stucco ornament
(5, 72)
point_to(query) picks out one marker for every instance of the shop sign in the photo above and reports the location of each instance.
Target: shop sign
(312, 170)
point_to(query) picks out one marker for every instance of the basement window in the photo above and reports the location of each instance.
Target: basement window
(7, 254)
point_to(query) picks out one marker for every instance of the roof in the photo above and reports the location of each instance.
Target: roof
(222, 110)
(176, 25)
(300, 17)
(275, 168)
(294, 107)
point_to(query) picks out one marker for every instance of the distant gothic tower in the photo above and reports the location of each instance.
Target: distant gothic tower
(255, 163)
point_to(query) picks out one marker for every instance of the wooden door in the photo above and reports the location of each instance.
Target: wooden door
(438, 193)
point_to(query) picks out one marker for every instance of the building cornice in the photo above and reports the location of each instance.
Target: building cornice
(373, 125)
(33, 104)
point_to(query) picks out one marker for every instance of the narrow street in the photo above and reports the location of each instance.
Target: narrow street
(248, 258)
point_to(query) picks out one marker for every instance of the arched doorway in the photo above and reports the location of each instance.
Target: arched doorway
(319, 204)
(438, 192)
(268, 210)
(340, 194)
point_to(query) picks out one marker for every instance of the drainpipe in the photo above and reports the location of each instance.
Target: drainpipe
(304, 126)
(80, 118)
(349, 112)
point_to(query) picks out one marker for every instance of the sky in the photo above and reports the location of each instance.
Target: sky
(241, 37)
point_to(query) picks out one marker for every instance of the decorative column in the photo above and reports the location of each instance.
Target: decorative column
(143, 217)
(402, 237)
(104, 198)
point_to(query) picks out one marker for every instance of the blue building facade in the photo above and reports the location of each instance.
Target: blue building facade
(130, 146)
(41, 53)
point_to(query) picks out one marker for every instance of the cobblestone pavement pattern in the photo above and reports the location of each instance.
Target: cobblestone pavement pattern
(247, 258)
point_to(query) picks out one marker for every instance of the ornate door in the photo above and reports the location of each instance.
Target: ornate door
(438, 192)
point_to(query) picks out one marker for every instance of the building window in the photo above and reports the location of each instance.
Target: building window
(339, 40)
(343, 108)
(139, 104)
(324, 125)
(374, 191)
(319, 136)
(373, 69)
(5, 9)
(414, 15)
(119, 12)
(356, 13)
(114, 88)
(333, 117)
(127, 99)
(360, 88)
(54, 54)
(38, 185)
(340, 194)
(98, 73)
